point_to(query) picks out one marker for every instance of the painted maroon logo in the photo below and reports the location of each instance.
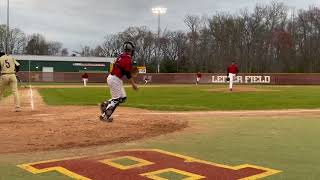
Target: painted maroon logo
(146, 164)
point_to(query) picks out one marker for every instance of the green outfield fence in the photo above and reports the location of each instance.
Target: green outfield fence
(180, 78)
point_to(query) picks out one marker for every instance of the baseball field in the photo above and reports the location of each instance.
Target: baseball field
(162, 132)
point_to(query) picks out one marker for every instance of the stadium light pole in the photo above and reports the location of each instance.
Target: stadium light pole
(8, 29)
(158, 11)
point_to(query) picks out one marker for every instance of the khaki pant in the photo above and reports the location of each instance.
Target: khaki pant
(10, 80)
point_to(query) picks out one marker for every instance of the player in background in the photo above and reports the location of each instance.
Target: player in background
(145, 80)
(199, 76)
(232, 73)
(9, 67)
(123, 66)
(85, 79)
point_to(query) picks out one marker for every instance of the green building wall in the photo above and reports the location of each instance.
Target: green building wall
(60, 66)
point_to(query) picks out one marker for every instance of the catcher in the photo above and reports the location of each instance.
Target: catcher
(122, 67)
(9, 67)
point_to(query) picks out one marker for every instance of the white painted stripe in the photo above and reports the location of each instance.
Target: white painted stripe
(31, 98)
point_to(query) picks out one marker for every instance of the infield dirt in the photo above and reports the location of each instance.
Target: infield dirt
(61, 127)
(54, 128)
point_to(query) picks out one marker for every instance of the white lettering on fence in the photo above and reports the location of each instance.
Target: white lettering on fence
(244, 79)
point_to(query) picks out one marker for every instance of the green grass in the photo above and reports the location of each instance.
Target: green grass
(188, 98)
(125, 162)
(172, 176)
(62, 84)
(289, 144)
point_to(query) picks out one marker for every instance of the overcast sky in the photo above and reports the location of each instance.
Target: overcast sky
(86, 22)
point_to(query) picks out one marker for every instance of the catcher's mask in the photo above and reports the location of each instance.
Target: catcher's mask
(129, 46)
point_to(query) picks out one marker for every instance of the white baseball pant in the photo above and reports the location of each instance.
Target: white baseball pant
(116, 87)
(198, 79)
(232, 79)
(85, 80)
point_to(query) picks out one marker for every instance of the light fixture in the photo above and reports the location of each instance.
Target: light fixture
(159, 10)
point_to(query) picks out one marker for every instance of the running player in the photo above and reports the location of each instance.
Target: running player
(122, 67)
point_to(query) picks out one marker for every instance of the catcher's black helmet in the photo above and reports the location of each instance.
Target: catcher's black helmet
(2, 53)
(129, 46)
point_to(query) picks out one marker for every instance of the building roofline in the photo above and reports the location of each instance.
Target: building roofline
(63, 58)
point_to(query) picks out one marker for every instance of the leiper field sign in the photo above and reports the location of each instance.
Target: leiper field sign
(244, 79)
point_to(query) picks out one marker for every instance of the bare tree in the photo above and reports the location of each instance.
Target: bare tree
(111, 45)
(267, 39)
(64, 52)
(17, 40)
(86, 51)
(54, 48)
(37, 45)
(98, 52)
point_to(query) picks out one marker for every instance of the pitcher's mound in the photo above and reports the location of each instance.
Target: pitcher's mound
(68, 127)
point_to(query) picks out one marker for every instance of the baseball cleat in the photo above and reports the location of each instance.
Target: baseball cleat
(110, 119)
(105, 118)
(103, 106)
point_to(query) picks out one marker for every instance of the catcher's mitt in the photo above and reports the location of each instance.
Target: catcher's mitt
(228, 79)
(134, 72)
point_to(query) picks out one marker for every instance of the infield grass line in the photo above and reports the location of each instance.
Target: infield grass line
(192, 98)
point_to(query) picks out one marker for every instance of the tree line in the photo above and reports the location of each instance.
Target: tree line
(268, 38)
(36, 44)
(271, 38)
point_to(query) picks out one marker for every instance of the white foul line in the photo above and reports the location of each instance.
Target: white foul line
(31, 98)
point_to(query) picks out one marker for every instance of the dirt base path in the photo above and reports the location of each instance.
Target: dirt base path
(53, 128)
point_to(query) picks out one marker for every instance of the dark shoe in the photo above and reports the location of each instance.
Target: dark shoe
(103, 106)
(105, 118)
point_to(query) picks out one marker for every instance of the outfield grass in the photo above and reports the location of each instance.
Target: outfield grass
(62, 84)
(188, 98)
